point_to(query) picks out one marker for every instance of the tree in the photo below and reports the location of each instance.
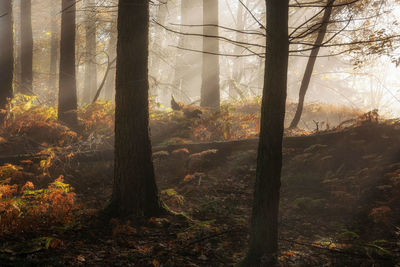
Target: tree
(157, 44)
(185, 64)
(6, 52)
(311, 62)
(111, 51)
(237, 71)
(210, 95)
(67, 99)
(26, 47)
(54, 45)
(264, 225)
(90, 86)
(135, 191)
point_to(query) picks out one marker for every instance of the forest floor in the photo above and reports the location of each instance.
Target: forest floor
(340, 202)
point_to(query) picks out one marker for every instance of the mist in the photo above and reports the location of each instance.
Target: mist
(199, 133)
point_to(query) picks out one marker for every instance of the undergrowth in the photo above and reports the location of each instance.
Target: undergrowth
(24, 209)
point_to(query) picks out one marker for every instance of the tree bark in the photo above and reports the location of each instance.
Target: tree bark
(54, 45)
(210, 94)
(6, 53)
(67, 99)
(90, 83)
(311, 63)
(26, 47)
(264, 223)
(135, 191)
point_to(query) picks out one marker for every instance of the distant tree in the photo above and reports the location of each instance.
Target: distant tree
(54, 46)
(237, 70)
(6, 53)
(26, 47)
(157, 44)
(210, 93)
(109, 87)
(264, 221)
(67, 99)
(135, 191)
(90, 84)
(311, 62)
(184, 62)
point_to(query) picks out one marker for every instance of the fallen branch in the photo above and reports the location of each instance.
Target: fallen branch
(223, 147)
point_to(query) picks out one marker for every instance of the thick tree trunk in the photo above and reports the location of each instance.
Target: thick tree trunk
(310, 64)
(6, 53)
(90, 83)
(210, 94)
(67, 99)
(135, 192)
(26, 47)
(54, 45)
(264, 225)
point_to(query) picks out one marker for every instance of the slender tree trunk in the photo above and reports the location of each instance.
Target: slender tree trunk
(159, 39)
(135, 191)
(6, 53)
(54, 45)
(156, 49)
(99, 90)
(17, 84)
(26, 47)
(109, 89)
(237, 62)
(183, 58)
(264, 225)
(311, 63)
(90, 86)
(210, 94)
(67, 99)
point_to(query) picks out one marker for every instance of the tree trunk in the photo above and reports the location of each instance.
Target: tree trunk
(156, 51)
(112, 51)
(54, 45)
(99, 90)
(67, 99)
(6, 53)
(159, 38)
(135, 191)
(184, 60)
(234, 90)
(210, 95)
(310, 64)
(90, 83)
(26, 47)
(264, 225)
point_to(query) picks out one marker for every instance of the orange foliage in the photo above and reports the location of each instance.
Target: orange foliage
(98, 118)
(39, 122)
(227, 124)
(27, 209)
